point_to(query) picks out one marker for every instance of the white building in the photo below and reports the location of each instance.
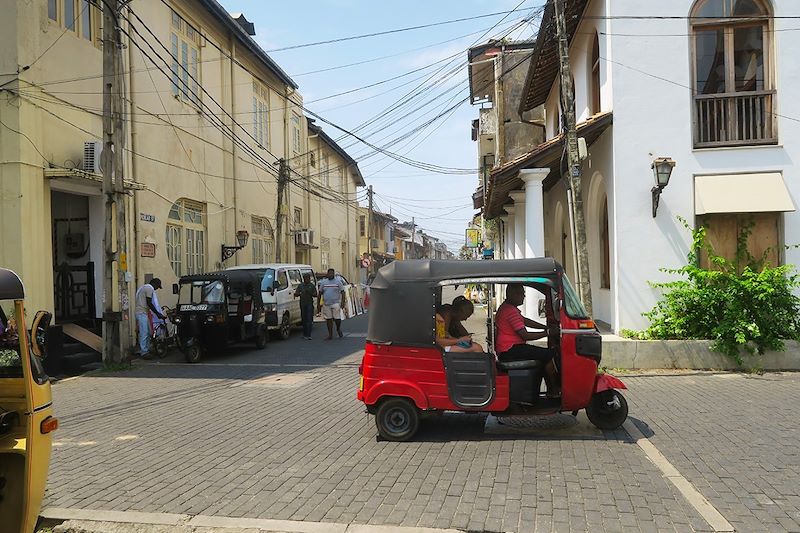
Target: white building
(709, 84)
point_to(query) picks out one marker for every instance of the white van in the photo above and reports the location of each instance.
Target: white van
(278, 283)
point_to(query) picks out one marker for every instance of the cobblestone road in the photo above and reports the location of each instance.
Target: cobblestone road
(278, 434)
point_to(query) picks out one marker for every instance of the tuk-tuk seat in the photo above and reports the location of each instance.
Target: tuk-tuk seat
(524, 364)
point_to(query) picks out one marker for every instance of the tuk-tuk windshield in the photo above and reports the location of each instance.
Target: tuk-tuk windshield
(202, 292)
(10, 361)
(572, 302)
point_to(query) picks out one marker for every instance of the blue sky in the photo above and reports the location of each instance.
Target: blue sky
(441, 203)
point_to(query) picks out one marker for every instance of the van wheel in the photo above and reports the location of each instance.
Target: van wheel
(286, 327)
(607, 410)
(262, 338)
(192, 353)
(397, 419)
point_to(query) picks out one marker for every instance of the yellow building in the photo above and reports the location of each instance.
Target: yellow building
(208, 117)
(332, 180)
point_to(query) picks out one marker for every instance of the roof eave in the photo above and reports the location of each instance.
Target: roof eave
(224, 17)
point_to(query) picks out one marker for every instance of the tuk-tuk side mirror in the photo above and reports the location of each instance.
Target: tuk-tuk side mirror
(41, 322)
(176, 288)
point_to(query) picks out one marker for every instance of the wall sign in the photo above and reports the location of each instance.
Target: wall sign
(148, 249)
(144, 217)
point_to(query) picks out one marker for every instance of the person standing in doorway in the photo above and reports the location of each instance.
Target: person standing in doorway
(331, 296)
(145, 297)
(307, 291)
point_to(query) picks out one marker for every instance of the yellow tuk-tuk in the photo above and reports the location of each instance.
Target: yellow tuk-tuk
(26, 410)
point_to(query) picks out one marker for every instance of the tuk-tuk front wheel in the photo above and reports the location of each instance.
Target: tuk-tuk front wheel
(608, 409)
(192, 353)
(262, 338)
(397, 419)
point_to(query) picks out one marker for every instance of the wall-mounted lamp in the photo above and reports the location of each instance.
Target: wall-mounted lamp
(662, 170)
(241, 238)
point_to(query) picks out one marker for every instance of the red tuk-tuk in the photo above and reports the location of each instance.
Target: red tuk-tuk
(405, 373)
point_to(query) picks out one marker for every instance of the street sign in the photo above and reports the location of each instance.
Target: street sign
(473, 238)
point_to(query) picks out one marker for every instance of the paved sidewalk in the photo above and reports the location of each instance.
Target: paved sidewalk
(277, 434)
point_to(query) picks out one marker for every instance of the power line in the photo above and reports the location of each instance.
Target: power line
(387, 32)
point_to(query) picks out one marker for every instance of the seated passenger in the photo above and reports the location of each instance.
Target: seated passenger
(452, 344)
(512, 337)
(462, 309)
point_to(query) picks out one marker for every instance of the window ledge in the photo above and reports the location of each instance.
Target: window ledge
(739, 147)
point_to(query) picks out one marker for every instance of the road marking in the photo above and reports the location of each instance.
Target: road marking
(692, 495)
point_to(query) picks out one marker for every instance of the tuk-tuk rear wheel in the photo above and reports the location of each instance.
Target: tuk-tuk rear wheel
(192, 354)
(607, 410)
(262, 338)
(397, 419)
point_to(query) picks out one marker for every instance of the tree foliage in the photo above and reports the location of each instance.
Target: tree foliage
(741, 304)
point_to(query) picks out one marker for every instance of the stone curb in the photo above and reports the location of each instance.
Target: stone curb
(690, 354)
(97, 521)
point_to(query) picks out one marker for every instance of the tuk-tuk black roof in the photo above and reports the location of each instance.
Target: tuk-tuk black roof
(11, 287)
(432, 271)
(403, 294)
(230, 277)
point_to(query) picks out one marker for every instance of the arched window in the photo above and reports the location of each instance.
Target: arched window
(594, 92)
(186, 243)
(262, 240)
(734, 94)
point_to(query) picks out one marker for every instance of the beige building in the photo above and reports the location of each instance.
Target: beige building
(209, 116)
(331, 187)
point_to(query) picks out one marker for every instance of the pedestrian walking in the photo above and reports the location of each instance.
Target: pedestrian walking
(307, 291)
(331, 296)
(145, 296)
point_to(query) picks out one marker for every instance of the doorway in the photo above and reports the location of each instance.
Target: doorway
(77, 240)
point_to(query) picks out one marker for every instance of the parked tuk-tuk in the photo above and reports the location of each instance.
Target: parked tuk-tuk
(219, 308)
(26, 410)
(405, 373)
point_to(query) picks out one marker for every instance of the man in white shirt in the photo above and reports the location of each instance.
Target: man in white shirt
(145, 296)
(331, 296)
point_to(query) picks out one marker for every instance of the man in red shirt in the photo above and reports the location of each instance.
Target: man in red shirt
(513, 335)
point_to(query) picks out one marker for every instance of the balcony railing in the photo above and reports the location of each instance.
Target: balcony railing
(735, 119)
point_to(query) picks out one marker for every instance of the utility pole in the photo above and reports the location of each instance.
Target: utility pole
(114, 320)
(574, 162)
(369, 223)
(413, 238)
(283, 178)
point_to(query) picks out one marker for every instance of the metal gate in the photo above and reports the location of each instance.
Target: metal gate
(75, 292)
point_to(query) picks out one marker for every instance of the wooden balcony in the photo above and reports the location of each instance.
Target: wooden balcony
(735, 119)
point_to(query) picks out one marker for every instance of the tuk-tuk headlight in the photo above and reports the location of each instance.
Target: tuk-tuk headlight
(270, 308)
(177, 319)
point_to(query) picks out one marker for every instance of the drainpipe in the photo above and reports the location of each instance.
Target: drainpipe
(286, 150)
(137, 261)
(233, 148)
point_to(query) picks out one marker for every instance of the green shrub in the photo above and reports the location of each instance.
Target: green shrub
(743, 303)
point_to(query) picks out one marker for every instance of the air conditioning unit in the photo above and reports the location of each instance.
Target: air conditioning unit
(304, 237)
(373, 244)
(92, 155)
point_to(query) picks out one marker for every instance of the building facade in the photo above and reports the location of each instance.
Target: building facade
(703, 85)
(209, 117)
